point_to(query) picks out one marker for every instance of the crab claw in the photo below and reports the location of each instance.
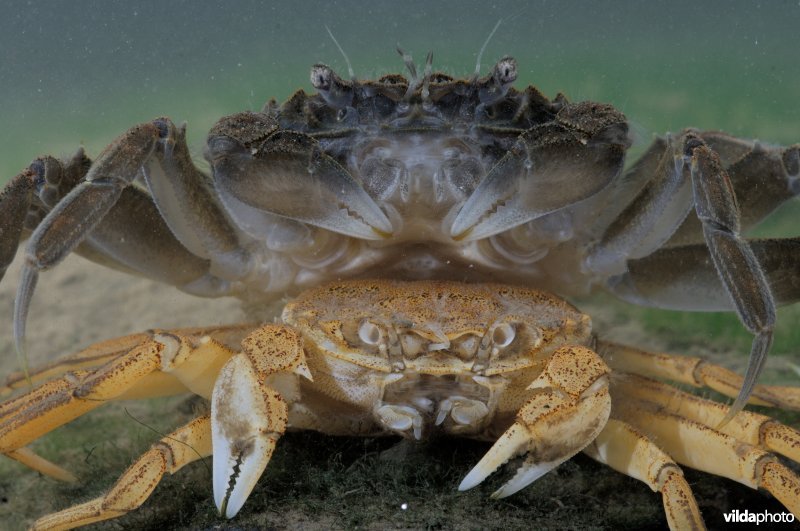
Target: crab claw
(288, 174)
(528, 182)
(569, 408)
(247, 418)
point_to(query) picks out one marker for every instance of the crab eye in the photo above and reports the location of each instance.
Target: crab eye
(503, 335)
(369, 333)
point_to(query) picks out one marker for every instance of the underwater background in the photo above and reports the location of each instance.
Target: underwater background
(80, 73)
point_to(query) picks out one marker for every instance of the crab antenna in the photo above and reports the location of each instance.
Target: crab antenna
(409, 61)
(485, 43)
(426, 76)
(346, 60)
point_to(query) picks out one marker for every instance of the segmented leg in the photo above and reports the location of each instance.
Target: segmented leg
(107, 219)
(683, 425)
(762, 177)
(568, 410)
(749, 427)
(693, 371)
(689, 174)
(15, 200)
(247, 415)
(98, 354)
(142, 365)
(181, 447)
(684, 277)
(628, 451)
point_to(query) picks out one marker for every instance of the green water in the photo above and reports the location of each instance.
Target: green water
(80, 73)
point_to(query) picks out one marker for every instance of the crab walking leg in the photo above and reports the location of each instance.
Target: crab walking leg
(73, 220)
(691, 174)
(162, 365)
(181, 447)
(569, 407)
(752, 428)
(626, 450)
(734, 260)
(248, 413)
(82, 209)
(88, 359)
(684, 277)
(15, 200)
(696, 445)
(693, 371)
(185, 198)
(762, 176)
(29, 196)
(98, 354)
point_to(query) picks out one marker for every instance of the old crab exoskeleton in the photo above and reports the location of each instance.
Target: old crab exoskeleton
(420, 182)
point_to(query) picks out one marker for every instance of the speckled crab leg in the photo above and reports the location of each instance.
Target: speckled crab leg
(139, 366)
(98, 354)
(181, 447)
(15, 200)
(626, 450)
(684, 424)
(569, 408)
(684, 277)
(693, 371)
(748, 427)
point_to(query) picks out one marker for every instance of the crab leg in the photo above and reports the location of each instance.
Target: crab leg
(751, 428)
(651, 217)
(200, 227)
(739, 271)
(29, 196)
(98, 354)
(569, 407)
(161, 364)
(684, 278)
(185, 198)
(181, 447)
(626, 450)
(663, 203)
(762, 178)
(696, 445)
(15, 200)
(132, 236)
(693, 371)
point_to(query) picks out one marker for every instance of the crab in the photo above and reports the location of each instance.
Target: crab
(464, 198)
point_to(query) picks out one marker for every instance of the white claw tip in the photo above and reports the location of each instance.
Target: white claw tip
(473, 479)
